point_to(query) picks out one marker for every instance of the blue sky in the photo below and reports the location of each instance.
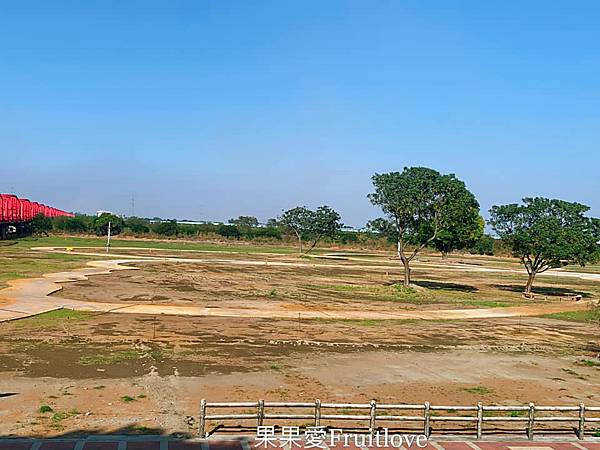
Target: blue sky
(212, 109)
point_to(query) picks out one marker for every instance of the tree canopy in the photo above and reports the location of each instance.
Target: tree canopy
(547, 233)
(245, 221)
(310, 225)
(101, 224)
(420, 206)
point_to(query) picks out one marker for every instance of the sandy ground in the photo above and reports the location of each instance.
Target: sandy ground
(109, 372)
(87, 366)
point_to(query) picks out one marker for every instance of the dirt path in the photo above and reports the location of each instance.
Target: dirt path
(32, 296)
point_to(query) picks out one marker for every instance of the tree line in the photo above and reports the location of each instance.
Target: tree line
(421, 208)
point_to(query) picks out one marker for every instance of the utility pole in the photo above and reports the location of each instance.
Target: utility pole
(132, 204)
(108, 238)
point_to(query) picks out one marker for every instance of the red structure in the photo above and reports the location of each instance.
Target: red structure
(16, 213)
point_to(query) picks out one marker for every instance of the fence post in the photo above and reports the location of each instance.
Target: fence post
(581, 430)
(531, 421)
(426, 417)
(261, 413)
(202, 425)
(373, 415)
(317, 412)
(479, 420)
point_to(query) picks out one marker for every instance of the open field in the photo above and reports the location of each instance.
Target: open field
(65, 370)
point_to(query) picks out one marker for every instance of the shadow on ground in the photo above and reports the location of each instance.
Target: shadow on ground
(440, 285)
(550, 291)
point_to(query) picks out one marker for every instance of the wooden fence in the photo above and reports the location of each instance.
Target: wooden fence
(576, 417)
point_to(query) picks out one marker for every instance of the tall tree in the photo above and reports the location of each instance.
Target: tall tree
(547, 233)
(101, 224)
(419, 204)
(245, 221)
(310, 225)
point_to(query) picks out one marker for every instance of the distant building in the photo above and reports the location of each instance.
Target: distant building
(99, 213)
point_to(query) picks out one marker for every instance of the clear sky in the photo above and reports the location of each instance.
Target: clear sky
(212, 109)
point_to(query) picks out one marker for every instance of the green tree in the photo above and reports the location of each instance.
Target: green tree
(228, 231)
(166, 228)
(77, 224)
(419, 204)
(310, 225)
(101, 224)
(137, 225)
(41, 224)
(483, 246)
(245, 221)
(464, 230)
(547, 233)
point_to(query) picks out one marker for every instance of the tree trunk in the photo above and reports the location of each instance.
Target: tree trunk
(406, 273)
(529, 282)
(300, 242)
(405, 263)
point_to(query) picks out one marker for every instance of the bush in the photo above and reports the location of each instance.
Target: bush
(41, 224)
(484, 246)
(137, 225)
(265, 232)
(228, 231)
(167, 228)
(77, 224)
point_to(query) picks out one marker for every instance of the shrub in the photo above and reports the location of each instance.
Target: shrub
(229, 231)
(41, 224)
(167, 228)
(137, 225)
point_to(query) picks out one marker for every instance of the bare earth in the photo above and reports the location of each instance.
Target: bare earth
(130, 372)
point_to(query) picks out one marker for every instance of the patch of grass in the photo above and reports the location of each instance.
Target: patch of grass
(589, 315)
(140, 429)
(479, 390)
(58, 417)
(273, 293)
(127, 399)
(596, 432)
(100, 386)
(53, 318)
(141, 396)
(110, 359)
(45, 409)
(588, 363)
(486, 303)
(517, 413)
(275, 367)
(71, 241)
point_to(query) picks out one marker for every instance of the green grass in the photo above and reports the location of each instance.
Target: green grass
(70, 241)
(52, 319)
(45, 409)
(589, 363)
(479, 390)
(60, 416)
(589, 315)
(19, 261)
(401, 294)
(127, 399)
(109, 359)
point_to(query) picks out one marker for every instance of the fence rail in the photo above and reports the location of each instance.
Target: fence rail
(374, 413)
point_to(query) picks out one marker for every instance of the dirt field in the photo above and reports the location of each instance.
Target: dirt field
(67, 371)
